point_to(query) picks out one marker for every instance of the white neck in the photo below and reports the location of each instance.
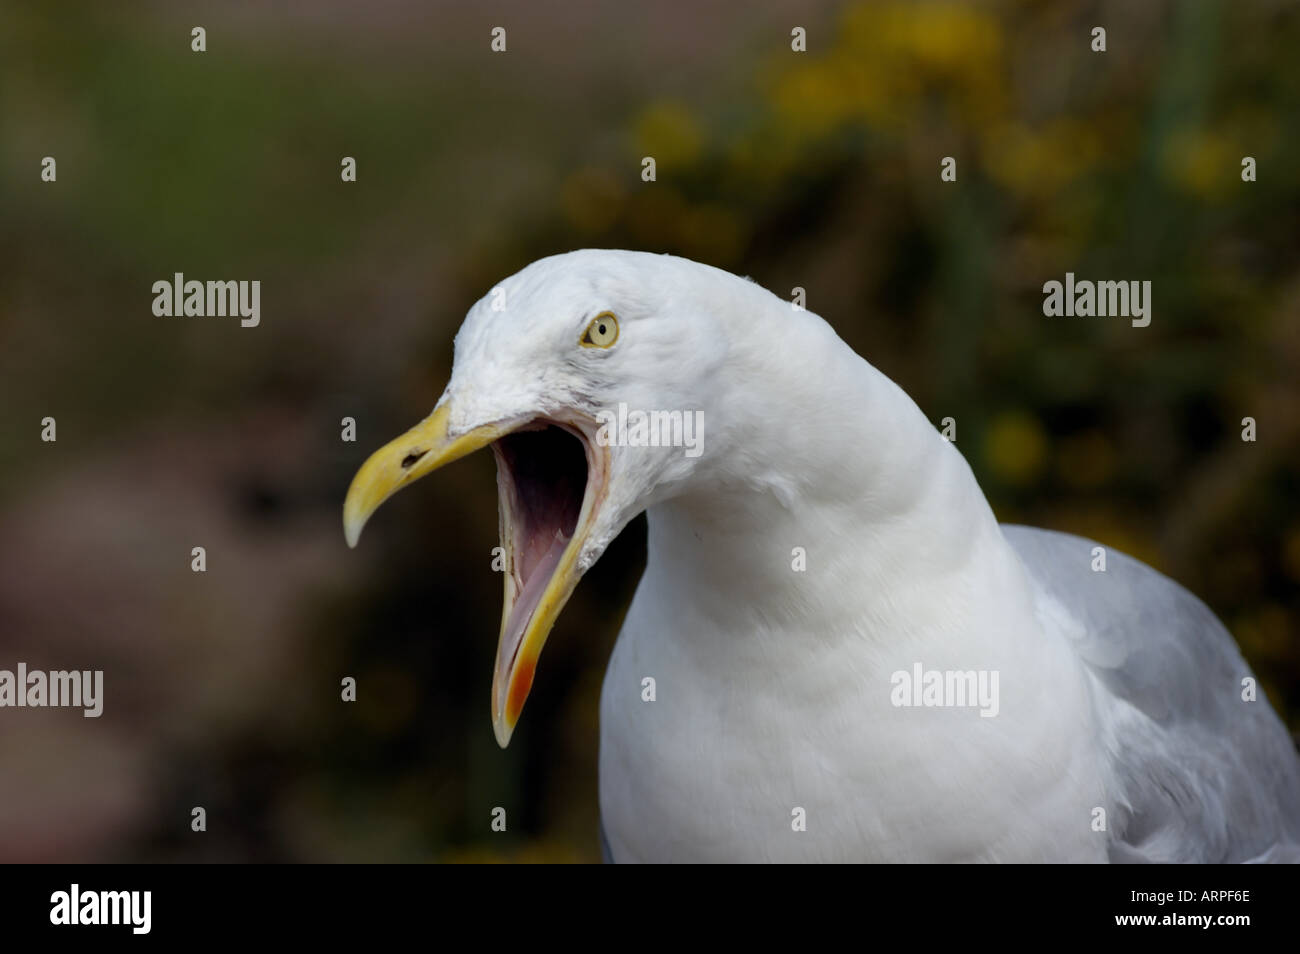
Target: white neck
(781, 679)
(819, 450)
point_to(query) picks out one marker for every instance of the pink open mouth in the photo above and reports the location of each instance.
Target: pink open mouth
(550, 479)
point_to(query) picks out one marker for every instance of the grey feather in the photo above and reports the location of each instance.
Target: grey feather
(1201, 775)
(606, 856)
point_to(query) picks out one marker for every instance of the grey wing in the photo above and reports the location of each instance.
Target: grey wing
(606, 856)
(1203, 775)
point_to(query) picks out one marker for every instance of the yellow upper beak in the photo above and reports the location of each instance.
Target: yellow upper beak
(421, 450)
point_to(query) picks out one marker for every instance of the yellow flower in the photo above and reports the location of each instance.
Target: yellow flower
(1016, 448)
(1202, 163)
(1039, 162)
(668, 132)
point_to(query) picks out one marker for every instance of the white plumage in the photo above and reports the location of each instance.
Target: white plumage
(1120, 734)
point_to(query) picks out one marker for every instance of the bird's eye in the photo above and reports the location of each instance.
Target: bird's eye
(601, 333)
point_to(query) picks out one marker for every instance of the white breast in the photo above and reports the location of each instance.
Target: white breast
(792, 711)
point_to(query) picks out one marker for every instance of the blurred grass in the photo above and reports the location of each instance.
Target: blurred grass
(819, 170)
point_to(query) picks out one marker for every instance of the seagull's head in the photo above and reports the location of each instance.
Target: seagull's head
(553, 370)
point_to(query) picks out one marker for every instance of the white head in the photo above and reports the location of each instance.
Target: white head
(541, 363)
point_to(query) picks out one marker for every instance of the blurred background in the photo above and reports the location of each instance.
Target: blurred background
(816, 169)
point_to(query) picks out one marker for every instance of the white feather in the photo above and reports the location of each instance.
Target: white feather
(1119, 691)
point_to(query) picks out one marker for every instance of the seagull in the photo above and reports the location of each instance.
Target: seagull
(835, 653)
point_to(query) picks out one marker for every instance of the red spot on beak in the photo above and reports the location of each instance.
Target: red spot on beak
(520, 684)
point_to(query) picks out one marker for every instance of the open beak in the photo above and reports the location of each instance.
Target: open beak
(551, 479)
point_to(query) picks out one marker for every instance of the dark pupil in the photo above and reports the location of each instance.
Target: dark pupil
(601, 329)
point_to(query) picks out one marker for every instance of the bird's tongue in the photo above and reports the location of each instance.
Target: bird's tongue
(540, 571)
(542, 474)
